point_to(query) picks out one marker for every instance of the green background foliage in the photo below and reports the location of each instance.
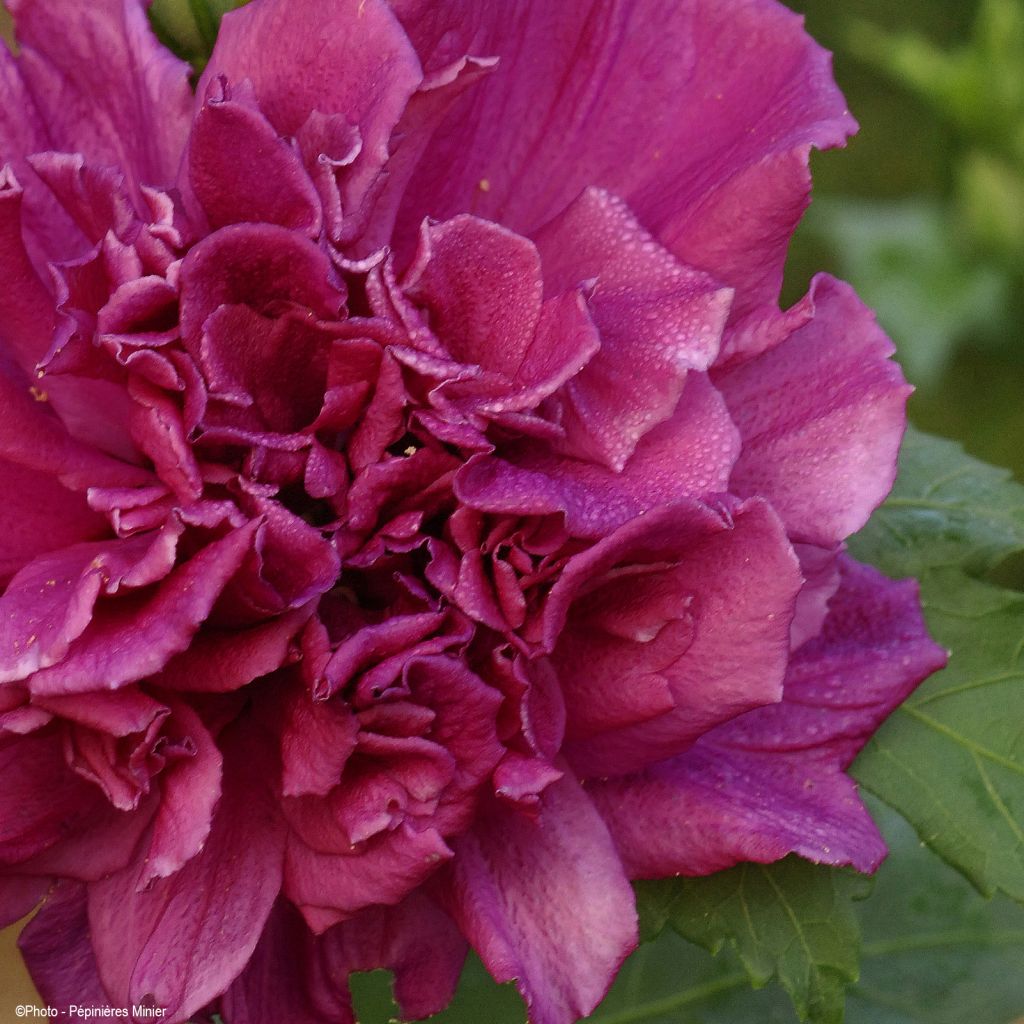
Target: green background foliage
(924, 211)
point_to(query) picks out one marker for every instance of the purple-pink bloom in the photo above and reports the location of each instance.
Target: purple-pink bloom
(419, 517)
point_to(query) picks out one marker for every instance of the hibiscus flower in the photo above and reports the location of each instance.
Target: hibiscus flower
(419, 517)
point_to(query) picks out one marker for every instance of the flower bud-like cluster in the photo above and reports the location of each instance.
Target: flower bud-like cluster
(420, 520)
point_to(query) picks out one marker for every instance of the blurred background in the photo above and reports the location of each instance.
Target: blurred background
(924, 211)
(924, 214)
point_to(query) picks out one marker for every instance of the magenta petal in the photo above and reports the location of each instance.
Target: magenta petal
(317, 738)
(39, 515)
(726, 87)
(465, 726)
(103, 84)
(356, 61)
(256, 265)
(218, 661)
(657, 319)
(416, 940)
(300, 978)
(22, 127)
(41, 800)
(545, 902)
(58, 952)
(50, 602)
(688, 456)
(95, 197)
(276, 365)
(692, 606)
(103, 842)
(483, 288)
(821, 416)
(284, 979)
(136, 637)
(820, 569)
(330, 887)
(114, 712)
(426, 109)
(48, 232)
(189, 791)
(564, 343)
(63, 822)
(172, 947)
(372, 643)
(33, 436)
(771, 782)
(240, 170)
(26, 305)
(740, 229)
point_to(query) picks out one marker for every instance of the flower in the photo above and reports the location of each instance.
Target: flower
(419, 517)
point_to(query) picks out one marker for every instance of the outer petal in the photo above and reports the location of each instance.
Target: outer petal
(545, 902)
(49, 232)
(417, 940)
(285, 980)
(771, 782)
(103, 85)
(440, 87)
(58, 952)
(183, 940)
(821, 417)
(729, 88)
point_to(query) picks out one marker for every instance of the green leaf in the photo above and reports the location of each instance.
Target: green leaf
(934, 951)
(792, 921)
(951, 759)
